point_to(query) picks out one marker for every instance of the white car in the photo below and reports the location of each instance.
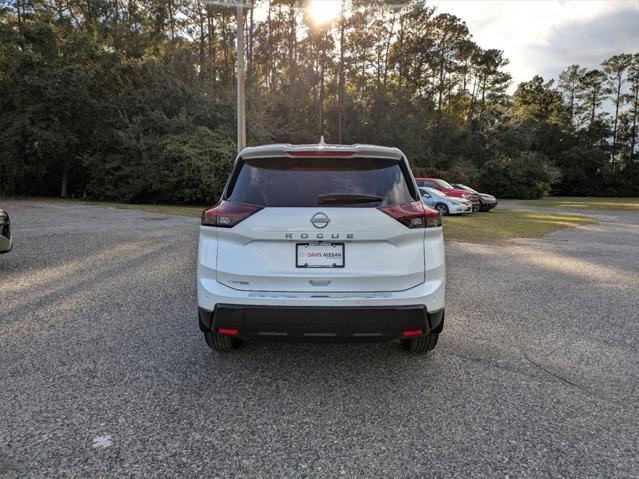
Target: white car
(6, 243)
(446, 205)
(321, 242)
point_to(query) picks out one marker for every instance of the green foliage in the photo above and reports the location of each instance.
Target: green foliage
(192, 166)
(580, 167)
(538, 101)
(135, 101)
(186, 167)
(527, 176)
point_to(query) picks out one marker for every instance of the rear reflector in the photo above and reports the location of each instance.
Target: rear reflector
(227, 215)
(413, 332)
(414, 215)
(316, 153)
(230, 332)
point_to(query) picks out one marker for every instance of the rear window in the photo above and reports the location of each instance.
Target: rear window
(308, 182)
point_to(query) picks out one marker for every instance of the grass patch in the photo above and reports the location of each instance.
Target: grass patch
(585, 203)
(502, 224)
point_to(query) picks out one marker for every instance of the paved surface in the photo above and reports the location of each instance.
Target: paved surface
(104, 373)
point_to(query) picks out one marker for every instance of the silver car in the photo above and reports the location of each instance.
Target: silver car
(446, 205)
(5, 232)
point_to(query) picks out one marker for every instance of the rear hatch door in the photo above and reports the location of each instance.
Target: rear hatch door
(320, 228)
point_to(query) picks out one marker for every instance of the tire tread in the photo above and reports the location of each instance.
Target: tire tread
(421, 344)
(221, 343)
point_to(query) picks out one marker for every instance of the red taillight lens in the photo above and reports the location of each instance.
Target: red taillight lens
(414, 215)
(227, 215)
(229, 332)
(413, 332)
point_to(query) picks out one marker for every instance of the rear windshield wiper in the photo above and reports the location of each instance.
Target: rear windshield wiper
(347, 199)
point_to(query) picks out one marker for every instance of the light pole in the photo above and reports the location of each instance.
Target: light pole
(241, 97)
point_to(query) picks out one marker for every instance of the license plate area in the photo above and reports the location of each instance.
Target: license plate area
(319, 255)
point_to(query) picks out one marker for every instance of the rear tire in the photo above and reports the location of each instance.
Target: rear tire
(421, 344)
(203, 328)
(442, 208)
(222, 343)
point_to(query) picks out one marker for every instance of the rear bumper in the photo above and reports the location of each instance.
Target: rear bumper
(430, 294)
(284, 323)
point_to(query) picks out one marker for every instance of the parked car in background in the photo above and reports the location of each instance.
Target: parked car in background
(448, 190)
(445, 205)
(488, 202)
(6, 242)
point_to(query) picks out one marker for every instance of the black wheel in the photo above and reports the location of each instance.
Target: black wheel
(442, 208)
(222, 343)
(420, 344)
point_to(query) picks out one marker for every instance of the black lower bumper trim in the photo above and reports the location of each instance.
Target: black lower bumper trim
(286, 323)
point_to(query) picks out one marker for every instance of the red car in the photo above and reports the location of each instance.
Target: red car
(448, 190)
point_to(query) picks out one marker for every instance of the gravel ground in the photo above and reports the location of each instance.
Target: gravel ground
(104, 373)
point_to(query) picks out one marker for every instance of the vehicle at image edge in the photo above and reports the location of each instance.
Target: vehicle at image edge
(487, 202)
(448, 190)
(321, 242)
(446, 205)
(6, 243)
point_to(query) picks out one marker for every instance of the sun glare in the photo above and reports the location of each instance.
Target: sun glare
(324, 11)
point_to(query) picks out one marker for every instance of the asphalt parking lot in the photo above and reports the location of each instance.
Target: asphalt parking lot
(104, 373)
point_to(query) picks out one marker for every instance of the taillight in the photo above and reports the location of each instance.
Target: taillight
(229, 332)
(414, 215)
(227, 215)
(413, 332)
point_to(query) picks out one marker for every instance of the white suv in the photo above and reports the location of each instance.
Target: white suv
(321, 242)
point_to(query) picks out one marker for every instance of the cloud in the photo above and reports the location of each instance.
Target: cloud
(544, 37)
(586, 43)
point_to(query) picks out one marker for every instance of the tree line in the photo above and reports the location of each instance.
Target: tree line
(135, 100)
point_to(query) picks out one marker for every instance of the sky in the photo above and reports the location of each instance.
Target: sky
(543, 37)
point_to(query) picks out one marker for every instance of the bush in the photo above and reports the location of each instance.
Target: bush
(579, 167)
(527, 176)
(186, 167)
(193, 166)
(619, 182)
